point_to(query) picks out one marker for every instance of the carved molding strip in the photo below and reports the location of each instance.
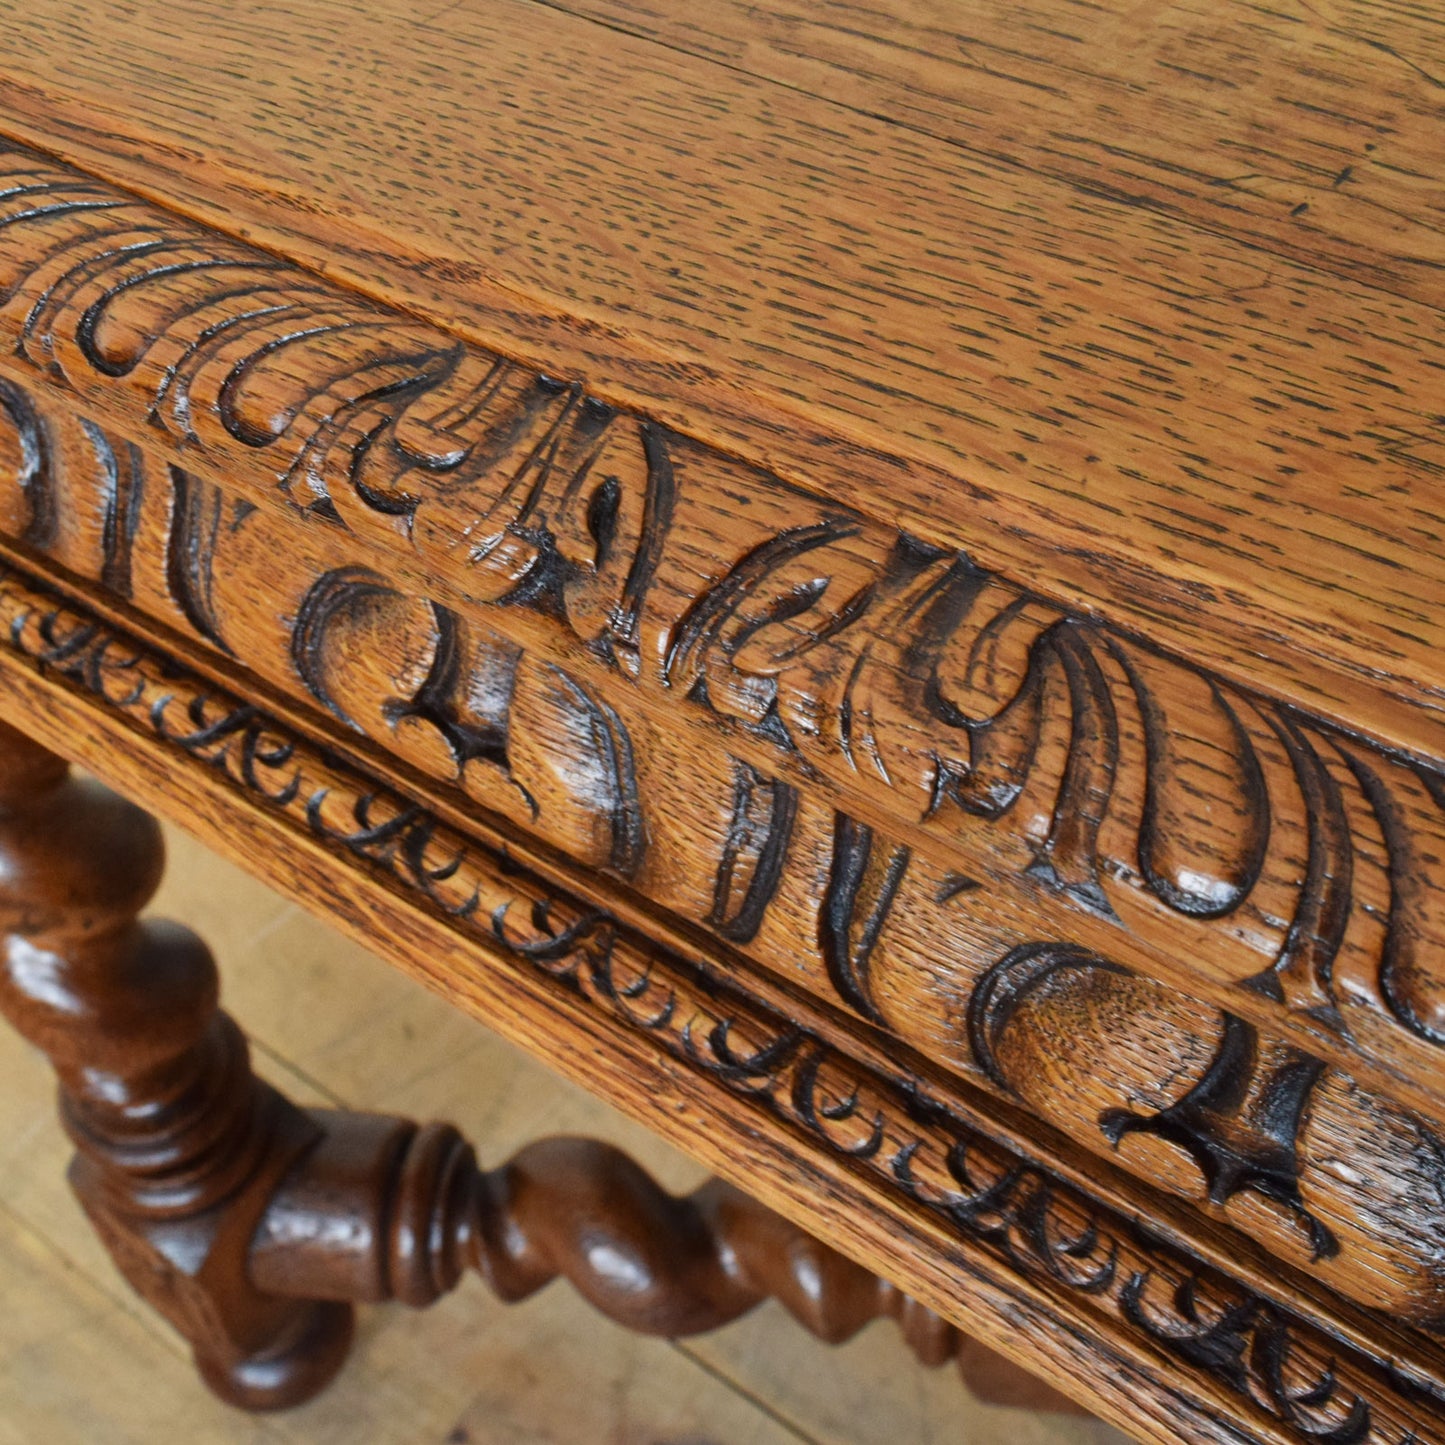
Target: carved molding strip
(1255, 1351)
(1153, 802)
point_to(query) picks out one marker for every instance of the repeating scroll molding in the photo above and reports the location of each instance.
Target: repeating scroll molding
(998, 1204)
(1299, 860)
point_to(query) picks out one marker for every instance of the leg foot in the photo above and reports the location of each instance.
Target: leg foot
(296, 1366)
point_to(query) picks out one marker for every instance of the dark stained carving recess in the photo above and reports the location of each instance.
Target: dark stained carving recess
(754, 853)
(123, 472)
(197, 516)
(732, 613)
(862, 885)
(1193, 1093)
(609, 771)
(34, 474)
(1239, 1121)
(447, 681)
(1409, 982)
(1005, 1209)
(339, 599)
(464, 693)
(473, 720)
(1008, 983)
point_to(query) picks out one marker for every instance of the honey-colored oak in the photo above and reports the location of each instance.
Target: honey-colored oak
(526, 596)
(898, 647)
(573, 987)
(1307, 130)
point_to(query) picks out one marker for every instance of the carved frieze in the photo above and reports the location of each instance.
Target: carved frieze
(937, 800)
(1166, 817)
(1329, 1174)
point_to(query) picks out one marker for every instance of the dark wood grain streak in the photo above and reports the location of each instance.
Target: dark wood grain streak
(879, 927)
(869, 582)
(1309, 131)
(995, 1116)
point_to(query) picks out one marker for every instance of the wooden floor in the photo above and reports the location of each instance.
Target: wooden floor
(81, 1362)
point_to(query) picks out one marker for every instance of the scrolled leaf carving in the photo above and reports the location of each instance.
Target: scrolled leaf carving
(1082, 766)
(902, 937)
(1207, 1106)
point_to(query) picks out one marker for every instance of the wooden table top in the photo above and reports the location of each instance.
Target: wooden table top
(1137, 303)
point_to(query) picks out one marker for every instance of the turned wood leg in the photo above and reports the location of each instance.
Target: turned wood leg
(255, 1227)
(178, 1146)
(383, 1209)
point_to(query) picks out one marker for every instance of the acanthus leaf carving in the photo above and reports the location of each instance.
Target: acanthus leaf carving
(899, 939)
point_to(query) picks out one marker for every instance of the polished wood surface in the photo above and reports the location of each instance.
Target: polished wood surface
(1310, 130)
(1044, 1261)
(1198, 427)
(177, 1146)
(899, 660)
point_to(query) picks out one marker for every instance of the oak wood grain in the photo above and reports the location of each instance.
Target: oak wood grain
(1143, 1060)
(221, 1201)
(906, 655)
(1309, 130)
(1102, 1045)
(1113, 794)
(1179, 809)
(1204, 440)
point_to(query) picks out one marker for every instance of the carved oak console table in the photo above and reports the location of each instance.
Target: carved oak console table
(867, 581)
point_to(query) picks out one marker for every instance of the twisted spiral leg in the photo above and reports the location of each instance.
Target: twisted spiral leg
(382, 1209)
(177, 1145)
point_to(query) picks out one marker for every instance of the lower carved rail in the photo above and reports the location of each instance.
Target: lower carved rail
(254, 1226)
